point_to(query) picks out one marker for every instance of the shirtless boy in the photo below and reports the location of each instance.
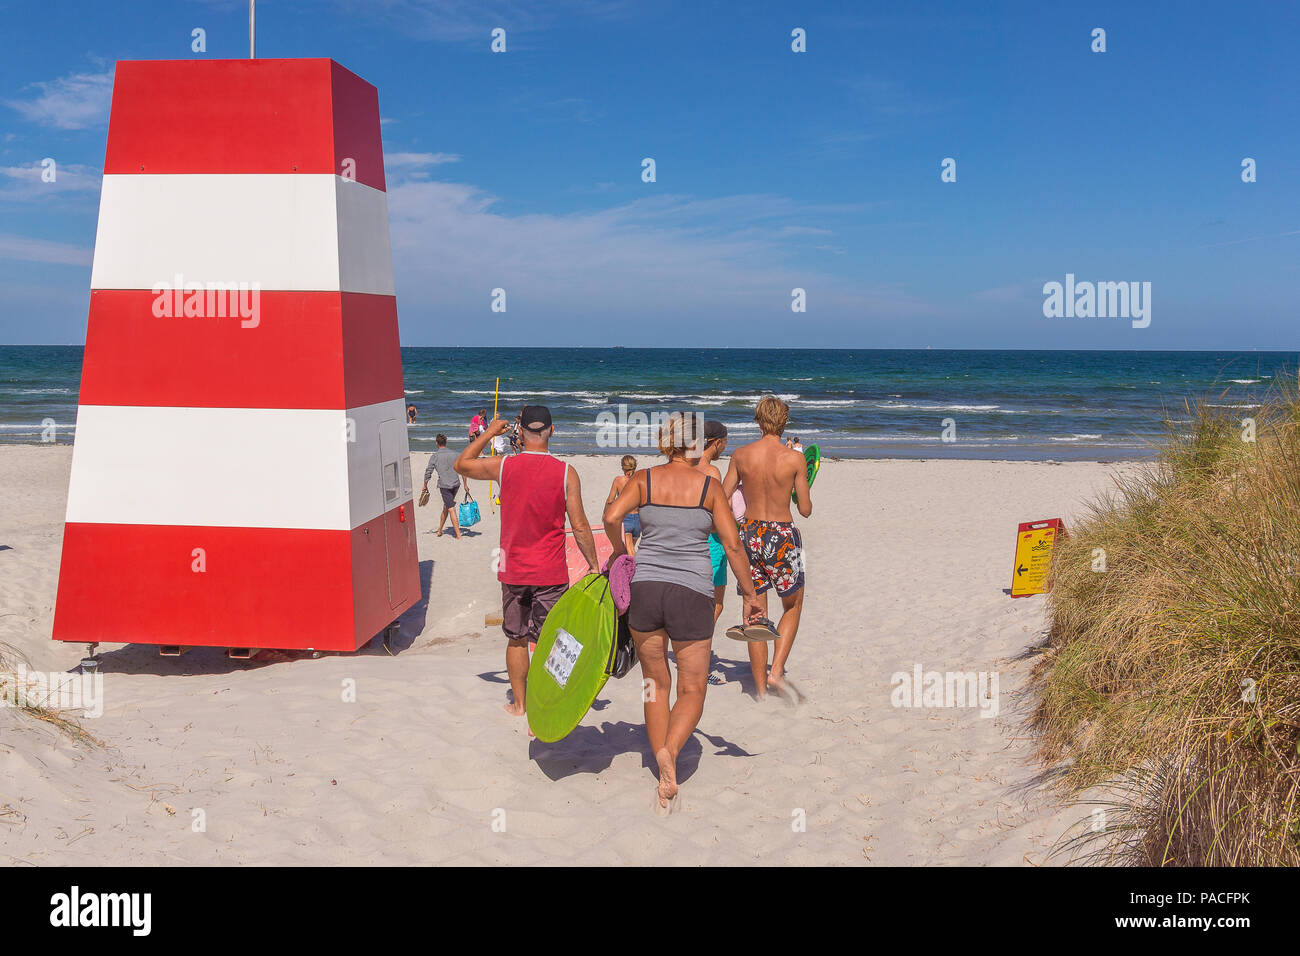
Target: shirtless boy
(770, 472)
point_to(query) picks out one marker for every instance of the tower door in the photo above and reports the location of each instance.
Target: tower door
(395, 475)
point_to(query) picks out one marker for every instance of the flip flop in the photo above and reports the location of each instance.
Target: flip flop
(761, 630)
(737, 633)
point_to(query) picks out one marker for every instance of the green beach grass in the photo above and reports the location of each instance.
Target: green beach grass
(1172, 677)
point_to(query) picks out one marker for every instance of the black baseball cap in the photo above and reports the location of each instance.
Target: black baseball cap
(532, 415)
(714, 430)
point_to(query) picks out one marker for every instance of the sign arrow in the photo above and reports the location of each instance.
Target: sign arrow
(1021, 570)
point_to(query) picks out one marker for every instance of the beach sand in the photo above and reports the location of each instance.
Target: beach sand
(908, 562)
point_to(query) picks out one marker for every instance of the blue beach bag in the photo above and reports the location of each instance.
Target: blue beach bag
(467, 514)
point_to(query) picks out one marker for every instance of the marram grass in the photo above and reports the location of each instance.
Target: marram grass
(37, 710)
(1172, 677)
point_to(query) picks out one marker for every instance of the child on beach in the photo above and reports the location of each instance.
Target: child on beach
(715, 443)
(632, 522)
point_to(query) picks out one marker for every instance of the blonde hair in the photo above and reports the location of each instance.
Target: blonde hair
(628, 464)
(682, 432)
(772, 415)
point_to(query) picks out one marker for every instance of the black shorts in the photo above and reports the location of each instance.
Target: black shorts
(686, 615)
(524, 608)
(449, 496)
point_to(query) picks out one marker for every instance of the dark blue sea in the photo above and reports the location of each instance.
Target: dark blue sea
(853, 403)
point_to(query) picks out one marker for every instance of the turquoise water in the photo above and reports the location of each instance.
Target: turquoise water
(853, 403)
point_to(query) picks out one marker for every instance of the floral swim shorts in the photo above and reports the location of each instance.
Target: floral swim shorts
(775, 552)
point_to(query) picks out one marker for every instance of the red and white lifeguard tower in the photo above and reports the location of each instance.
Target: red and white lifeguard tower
(240, 476)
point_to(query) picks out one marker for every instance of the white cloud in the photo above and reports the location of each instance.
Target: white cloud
(707, 272)
(415, 164)
(24, 183)
(25, 249)
(76, 101)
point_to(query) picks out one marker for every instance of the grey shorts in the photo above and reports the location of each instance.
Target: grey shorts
(449, 496)
(524, 608)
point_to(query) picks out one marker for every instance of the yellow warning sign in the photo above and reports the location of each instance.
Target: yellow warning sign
(1035, 541)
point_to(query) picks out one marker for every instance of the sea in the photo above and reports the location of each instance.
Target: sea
(853, 403)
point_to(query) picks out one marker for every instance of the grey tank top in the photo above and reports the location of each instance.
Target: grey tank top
(674, 544)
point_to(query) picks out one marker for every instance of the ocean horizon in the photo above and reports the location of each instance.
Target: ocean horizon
(853, 403)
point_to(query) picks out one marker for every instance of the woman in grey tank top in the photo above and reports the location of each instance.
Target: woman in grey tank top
(672, 589)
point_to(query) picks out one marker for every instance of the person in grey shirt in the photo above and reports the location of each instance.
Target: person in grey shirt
(443, 462)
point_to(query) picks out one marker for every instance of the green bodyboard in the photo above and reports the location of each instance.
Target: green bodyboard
(813, 456)
(573, 658)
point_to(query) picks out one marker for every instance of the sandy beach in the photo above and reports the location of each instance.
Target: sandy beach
(908, 562)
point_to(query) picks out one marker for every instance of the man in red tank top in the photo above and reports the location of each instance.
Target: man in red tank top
(537, 492)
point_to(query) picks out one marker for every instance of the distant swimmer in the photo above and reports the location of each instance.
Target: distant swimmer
(410, 414)
(632, 521)
(530, 562)
(770, 472)
(443, 461)
(672, 588)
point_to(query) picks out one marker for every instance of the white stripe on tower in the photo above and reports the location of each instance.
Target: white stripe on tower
(305, 232)
(230, 467)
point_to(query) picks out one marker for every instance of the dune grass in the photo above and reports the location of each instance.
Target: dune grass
(11, 686)
(1172, 677)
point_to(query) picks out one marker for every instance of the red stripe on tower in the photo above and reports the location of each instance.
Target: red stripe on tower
(134, 357)
(243, 116)
(241, 474)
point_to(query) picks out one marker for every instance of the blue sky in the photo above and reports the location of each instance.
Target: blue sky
(775, 169)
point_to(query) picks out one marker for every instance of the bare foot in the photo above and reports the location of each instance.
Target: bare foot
(438, 534)
(667, 778)
(782, 688)
(785, 688)
(515, 709)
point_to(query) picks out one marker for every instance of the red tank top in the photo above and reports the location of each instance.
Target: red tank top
(532, 520)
